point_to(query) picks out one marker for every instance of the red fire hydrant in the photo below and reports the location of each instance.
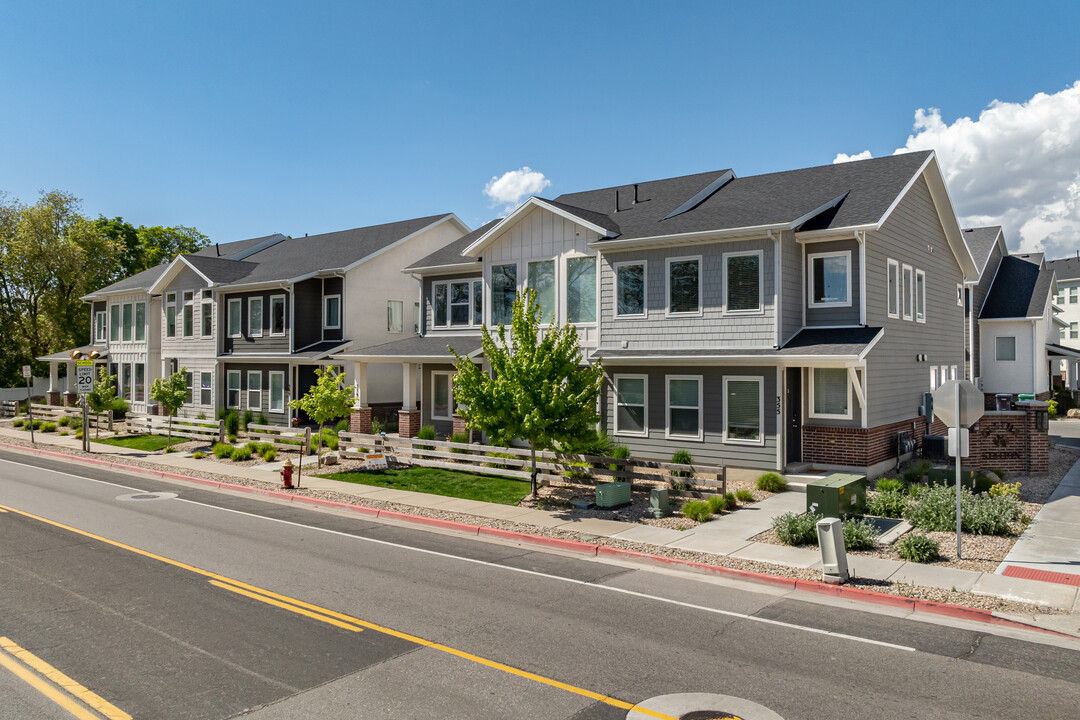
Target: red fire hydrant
(286, 474)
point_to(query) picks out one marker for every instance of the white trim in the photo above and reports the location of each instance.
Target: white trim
(760, 309)
(101, 326)
(447, 283)
(270, 392)
(615, 406)
(700, 408)
(846, 254)
(892, 293)
(325, 313)
(997, 350)
(481, 242)
(247, 393)
(251, 301)
(959, 295)
(907, 293)
(862, 277)
(489, 290)
(209, 389)
(563, 288)
(273, 299)
(667, 287)
(451, 405)
(644, 289)
(761, 409)
(557, 312)
(829, 416)
(239, 330)
(187, 300)
(920, 295)
(229, 389)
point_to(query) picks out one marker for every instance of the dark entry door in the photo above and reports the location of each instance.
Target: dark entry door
(794, 415)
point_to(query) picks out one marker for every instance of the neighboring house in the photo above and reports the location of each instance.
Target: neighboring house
(761, 322)
(1067, 272)
(987, 247)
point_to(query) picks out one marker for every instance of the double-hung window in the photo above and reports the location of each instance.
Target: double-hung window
(394, 311)
(744, 408)
(170, 314)
(540, 277)
(920, 295)
(830, 279)
(1005, 347)
(684, 406)
(332, 312)
(630, 289)
(189, 378)
(742, 282)
(100, 326)
(255, 316)
(684, 286)
(254, 390)
(277, 315)
(632, 405)
(454, 304)
(503, 292)
(189, 313)
(235, 314)
(907, 287)
(460, 304)
(140, 322)
(232, 396)
(114, 323)
(830, 393)
(1072, 295)
(893, 289)
(442, 395)
(206, 311)
(129, 322)
(581, 289)
(206, 388)
(277, 391)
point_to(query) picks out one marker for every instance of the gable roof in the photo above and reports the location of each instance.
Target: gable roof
(1020, 290)
(981, 242)
(1065, 268)
(218, 271)
(142, 280)
(238, 249)
(451, 256)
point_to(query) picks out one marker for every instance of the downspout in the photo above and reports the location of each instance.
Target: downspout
(776, 238)
(862, 276)
(420, 305)
(1034, 358)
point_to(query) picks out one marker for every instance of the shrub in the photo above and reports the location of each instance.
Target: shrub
(119, 408)
(198, 455)
(716, 504)
(461, 438)
(376, 427)
(18, 422)
(500, 466)
(792, 529)
(744, 495)
(36, 424)
(1005, 489)
(232, 423)
(64, 421)
(859, 534)
(342, 426)
(200, 416)
(916, 547)
(330, 438)
(78, 434)
(594, 443)
(889, 503)
(391, 426)
(934, 509)
(222, 450)
(263, 420)
(890, 484)
(917, 472)
(730, 502)
(427, 432)
(269, 455)
(252, 447)
(697, 510)
(619, 452)
(771, 482)
(265, 447)
(985, 514)
(232, 437)
(63, 432)
(170, 449)
(1052, 408)
(48, 427)
(240, 454)
(247, 418)
(682, 457)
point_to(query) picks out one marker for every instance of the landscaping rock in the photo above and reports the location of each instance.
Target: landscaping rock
(1074, 413)
(330, 458)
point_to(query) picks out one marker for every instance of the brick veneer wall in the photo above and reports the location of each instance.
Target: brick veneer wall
(408, 423)
(360, 420)
(53, 397)
(859, 447)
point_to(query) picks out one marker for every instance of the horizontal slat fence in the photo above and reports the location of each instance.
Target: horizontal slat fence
(9, 408)
(212, 431)
(282, 438)
(53, 413)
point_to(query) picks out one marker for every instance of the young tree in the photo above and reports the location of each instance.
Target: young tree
(538, 389)
(101, 398)
(327, 400)
(171, 393)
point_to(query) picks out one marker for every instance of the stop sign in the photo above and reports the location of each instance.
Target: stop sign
(971, 403)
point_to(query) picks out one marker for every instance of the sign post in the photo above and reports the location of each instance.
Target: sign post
(26, 373)
(84, 384)
(958, 404)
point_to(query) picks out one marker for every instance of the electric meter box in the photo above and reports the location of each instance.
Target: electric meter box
(837, 495)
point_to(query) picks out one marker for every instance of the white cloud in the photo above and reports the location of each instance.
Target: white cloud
(1017, 165)
(844, 157)
(509, 188)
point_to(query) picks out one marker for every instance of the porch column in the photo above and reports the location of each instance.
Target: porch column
(360, 418)
(408, 416)
(69, 384)
(52, 397)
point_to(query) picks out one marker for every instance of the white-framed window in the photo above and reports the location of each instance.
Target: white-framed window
(893, 288)
(140, 383)
(254, 390)
(206, 313)
(830, 278)
(581, 289)
(1005, 348)
(125, 380)
(920, 296)
(907, 301)
(959, 295)
(442, 395)
(188, 380)
(477, 303)
(683, 405)
(744, 410)
(332, 312)
(114, 325)
(540, 277)
(632, 405)
(1072, 295)
(684, 285)
(1074, 330)
(277, 315)
(232, 396)
(255, 317)
(1060, 298)
(101, 328)
(394, 320)
(631, 289)
(140, 322)
(933, 378)
(456, 303)
(504, 285)
(416, 314)
(236, 310)
(189, 314)
(170, 315)
(277, 391)
(830, 394)
(129, 322)
(742, 282)
(206, 388)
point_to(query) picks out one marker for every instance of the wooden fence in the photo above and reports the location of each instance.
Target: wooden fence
(691, 480)
(211, 431)
(53, 413)
(9, 408)
(282, 438)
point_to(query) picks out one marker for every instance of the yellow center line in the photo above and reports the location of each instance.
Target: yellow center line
(90, 698)
(286, 606)
(285, 601)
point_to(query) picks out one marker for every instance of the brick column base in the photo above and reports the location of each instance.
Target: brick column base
(71, 399)
(360, 420)
(408, 423)
(460, 427)
(52, 397)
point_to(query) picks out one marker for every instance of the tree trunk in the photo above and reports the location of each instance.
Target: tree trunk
(318, 462)
(532, 476)
(168, 443)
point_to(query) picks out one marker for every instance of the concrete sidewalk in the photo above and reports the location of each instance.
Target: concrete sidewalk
(1052, 540)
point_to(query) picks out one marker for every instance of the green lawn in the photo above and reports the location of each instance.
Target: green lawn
(150, 443)
(435, 481)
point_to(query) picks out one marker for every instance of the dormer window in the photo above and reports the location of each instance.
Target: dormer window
(830, 279)
(332, 312)
(456, 303)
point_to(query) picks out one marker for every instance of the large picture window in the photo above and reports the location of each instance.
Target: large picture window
(1006, 348)
(631, 405)
(630, 289)
(684, 286)
(742, 282)
(743, 410)
(830, 279)
(894, 288)
(277, 391)
(683, 399)
(581, 289)
(255, 317)
(830, 393)
(540, 277)
(503, 292)
(441, 395)
(254, 390)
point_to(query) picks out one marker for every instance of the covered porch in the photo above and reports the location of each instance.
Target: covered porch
(63, 393)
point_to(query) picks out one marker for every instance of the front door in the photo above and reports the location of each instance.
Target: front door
(793, 407)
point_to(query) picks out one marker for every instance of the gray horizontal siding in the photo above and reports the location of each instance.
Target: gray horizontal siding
(791, 287)
(275, 418)
(428, 311)
(248, 343)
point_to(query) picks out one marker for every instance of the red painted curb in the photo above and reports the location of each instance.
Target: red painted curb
(574, 545)
(334, 504)
(788, 583)
(956, 611)
(433, 522)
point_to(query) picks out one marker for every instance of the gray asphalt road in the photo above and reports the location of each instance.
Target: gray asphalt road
(160, 640)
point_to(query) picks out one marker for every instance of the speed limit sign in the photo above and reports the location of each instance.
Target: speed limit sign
(84, 376)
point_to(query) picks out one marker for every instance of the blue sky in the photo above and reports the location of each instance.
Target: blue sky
(243, 119)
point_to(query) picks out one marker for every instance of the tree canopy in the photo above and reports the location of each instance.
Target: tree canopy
(328, 399)
(171, 393)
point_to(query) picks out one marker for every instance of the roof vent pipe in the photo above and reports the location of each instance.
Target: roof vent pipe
(616, 201)
(217, 249)
(635, 194)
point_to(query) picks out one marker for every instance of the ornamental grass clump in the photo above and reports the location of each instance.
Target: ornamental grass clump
(890, 484)
(916, 547)
(222, 450)
(859, 534)
(792, 529)
(772, 482)
(744, 496)
(889, 503)
(240, 454)
(697, 510)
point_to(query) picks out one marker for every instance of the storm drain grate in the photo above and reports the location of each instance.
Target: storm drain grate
(144, 496)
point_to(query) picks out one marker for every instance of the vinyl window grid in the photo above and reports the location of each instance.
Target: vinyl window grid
(683, 313)
(129, 321)
(907, 299)
(170, 315)
(644, 288)
(189, 314)
(757, 380)
(621, 402)
(254, 389)
(232, 394)
(277, 391)
(437, 379)
(466, 305)
(813, 397)
(101, 328)
(811, 259)
(760, 308)
(668, 407)
(236, 313)
(277, 305)
(920, 296)
(332, 312)
(893, 288)
(206, 313)
(395, 322)
(255, 317)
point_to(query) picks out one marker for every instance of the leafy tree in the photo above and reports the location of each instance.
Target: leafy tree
(101, 398)
(160, 244)
(326, 401)
(171, 393)
(537, 390)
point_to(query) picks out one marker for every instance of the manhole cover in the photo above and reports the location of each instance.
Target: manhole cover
(709, 715)
(702, 706)
(147, 496)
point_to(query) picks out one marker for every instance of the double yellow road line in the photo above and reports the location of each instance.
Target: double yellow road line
(55, 685)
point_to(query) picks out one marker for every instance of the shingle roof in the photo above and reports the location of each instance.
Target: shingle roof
(1020, 289)
(451, 254)
(421, 347)
(226, 250)
(980, 242)
(1066, 268)
(139, 281)
(220, 270)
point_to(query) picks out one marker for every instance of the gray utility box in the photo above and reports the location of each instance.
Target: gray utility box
(659, 505)
(612, 494)
(837, 495)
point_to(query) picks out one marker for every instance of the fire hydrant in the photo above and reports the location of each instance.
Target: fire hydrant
(286, 474)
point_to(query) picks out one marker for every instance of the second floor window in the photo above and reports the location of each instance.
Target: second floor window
(207, 313)
(1074, 330)
(394, 319)
(1005, 348)
(454, 304)
(255, 317)
(920, 296)
(894, 288)
(140, 322)
(277, 315)
(170, 315)
(503, 292)
(581, 289)
(742, 281)
(830, 279)
(906, 287)
(630, 289)
(114, 324)
(100, 327)
(540, 277)
(235, 311)
(332, 312)
(684, 285)
(129, 322)
(189, 313)
(1072, 294)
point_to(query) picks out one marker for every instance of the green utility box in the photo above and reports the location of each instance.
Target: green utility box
(612, 494)
(837, 495)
